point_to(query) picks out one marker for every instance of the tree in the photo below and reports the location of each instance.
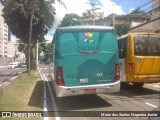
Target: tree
(121, 30)
(47, 52)
(136, 14)
(69, 20)
(29, 20)
(87, 15)
(139, 14)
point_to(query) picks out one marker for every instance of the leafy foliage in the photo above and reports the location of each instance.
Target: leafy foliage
(86, 15)
(47, 52)
(121, 30)
(17, 15)
(139, 14)
(70, 19)
(29, 20)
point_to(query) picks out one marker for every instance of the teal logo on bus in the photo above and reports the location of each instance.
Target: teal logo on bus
(87, 36)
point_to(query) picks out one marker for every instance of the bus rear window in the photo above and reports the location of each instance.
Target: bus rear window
(146, 45)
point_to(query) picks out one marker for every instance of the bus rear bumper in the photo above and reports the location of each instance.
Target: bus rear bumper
(145, 78)
(62, 91)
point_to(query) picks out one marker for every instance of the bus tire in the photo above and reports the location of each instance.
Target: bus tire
(123, 84)
(139, 85)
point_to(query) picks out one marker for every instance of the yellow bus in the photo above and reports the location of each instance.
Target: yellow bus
(139, 55)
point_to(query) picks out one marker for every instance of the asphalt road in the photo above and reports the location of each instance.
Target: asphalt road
(6, 75)
(128, 99)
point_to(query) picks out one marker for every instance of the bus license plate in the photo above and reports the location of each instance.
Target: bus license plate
(90, 91)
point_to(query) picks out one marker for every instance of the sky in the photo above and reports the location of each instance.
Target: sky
(118, 7)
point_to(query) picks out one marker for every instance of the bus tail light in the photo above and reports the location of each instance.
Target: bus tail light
(117, 72)
(132, 66)
(59, 76)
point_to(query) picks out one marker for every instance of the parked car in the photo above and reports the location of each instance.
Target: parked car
(23, 65)
(16, 64)
(11, 65)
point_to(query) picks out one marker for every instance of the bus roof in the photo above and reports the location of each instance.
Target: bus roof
(84, 28)
(135, 33)
(123, 36)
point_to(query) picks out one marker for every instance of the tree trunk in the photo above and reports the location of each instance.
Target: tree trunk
(30, 36)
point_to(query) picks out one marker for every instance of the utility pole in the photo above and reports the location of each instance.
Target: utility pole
(37, 55)
(113, 20)
(94, 4)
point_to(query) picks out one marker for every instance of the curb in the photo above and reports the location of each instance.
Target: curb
(7, 83)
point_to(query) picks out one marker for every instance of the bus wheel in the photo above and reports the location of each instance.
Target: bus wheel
(139, 85)
(123, 84)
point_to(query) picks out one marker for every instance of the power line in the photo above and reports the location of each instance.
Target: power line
(140, 15)
(138, 6)
(146, 22)
(152, 5)
(139, 3)
(145, 4)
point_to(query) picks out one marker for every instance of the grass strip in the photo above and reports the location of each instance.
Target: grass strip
(23, 94)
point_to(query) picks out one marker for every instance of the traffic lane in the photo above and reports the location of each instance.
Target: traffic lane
(86, 103)
(101, 102)
(149, 95)
(44, 68)
(7, 74)
(6, 71)
(128, 95)
(105, 102)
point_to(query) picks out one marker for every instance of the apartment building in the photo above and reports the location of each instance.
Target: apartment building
(3, 35)
(12, 49)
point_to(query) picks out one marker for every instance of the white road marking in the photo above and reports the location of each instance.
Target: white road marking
(40, 68)
(156, 86)
(53, 100)
(45, 99)
(45, 74)
(45, 68)
(150, 105)
(6, 83)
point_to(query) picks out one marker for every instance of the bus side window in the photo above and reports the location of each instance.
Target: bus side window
(122, 47)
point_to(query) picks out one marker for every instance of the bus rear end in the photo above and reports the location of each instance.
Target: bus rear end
(145, 65)
(86, 61)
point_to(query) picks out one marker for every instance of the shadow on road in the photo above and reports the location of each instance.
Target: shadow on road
(138, 91)
(144, 93)
(79, 102)
(36, 98)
